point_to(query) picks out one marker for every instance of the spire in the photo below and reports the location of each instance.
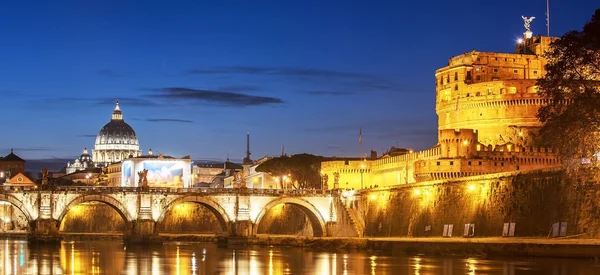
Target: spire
(117, 115)
(282, 150)
(11, 150)
(247, 159)
(85, 151)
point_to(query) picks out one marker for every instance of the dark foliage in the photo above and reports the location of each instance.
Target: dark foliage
(571, 86)
(303, 169)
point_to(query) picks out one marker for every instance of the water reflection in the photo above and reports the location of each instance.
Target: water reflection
(17, 257)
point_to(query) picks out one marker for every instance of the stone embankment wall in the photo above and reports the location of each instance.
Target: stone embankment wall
(534, 201)
(92, 217)
(189, 218)
(285, 219)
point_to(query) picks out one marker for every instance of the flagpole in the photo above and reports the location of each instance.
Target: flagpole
(360, 142)
(548, 16)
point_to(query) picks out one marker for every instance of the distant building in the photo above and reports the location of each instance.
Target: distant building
(87, 176)
(19, 180)
(11, 165)
(253, 179)
(84, 162)
(213, 174)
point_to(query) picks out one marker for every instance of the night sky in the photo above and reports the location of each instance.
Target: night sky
(193, 78)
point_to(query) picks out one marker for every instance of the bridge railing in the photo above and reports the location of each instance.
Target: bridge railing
(167, 190)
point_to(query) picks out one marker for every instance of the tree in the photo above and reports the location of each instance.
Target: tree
(571, 117)
(303, 169)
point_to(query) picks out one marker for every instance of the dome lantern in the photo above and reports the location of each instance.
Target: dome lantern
(117, 115)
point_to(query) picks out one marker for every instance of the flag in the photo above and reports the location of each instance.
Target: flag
(360, 136)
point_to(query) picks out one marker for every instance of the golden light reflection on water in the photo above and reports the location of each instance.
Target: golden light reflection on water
(109, 257)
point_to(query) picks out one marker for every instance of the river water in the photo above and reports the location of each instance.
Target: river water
(112, 257)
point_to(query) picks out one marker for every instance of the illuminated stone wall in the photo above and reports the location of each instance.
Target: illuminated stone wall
(11, 219)
(93, 217)
(350, 172)
(534, 201)
(285, 219)
(189, 218)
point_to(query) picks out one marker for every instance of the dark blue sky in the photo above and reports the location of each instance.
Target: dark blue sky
(193, 78)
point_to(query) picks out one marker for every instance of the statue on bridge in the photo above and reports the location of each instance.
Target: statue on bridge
(45, 173)
(143, 181)
(243, 179)
(336, 180)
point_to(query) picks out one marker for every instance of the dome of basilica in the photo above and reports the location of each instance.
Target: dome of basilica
(116, 141)
(117, 132)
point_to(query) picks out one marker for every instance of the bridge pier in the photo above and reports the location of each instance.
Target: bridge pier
(241, 229)
(44, 230)
(143, 231)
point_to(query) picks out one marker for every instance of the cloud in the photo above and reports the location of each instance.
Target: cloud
(222, 97)
(240, 88)
(87, 136)
(28, 149)
(347, 82)
(281, 71)
(110, 73)
(168, 120)
(328, 93)
(129, 101)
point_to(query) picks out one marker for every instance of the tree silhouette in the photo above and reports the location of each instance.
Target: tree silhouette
(571, 117)
(304, 169)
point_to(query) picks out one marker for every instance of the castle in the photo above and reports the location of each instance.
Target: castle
(486, 105)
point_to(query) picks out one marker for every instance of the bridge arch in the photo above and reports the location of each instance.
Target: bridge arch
(209, 203)
(316, 219)
(109, 200)
(18, 204)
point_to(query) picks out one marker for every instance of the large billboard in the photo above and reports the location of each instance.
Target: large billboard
(165, 173)
(128, 178)
(161, 172)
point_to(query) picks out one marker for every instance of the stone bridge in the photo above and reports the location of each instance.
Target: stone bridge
(239, 211)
